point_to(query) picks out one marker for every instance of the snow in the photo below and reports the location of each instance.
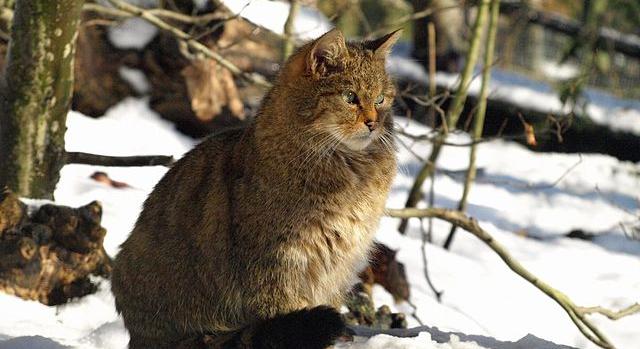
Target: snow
(136, 33)
(423, 341)
(132, 33)
(528, 201)
(515, 197)
(136, 78)
(309, 23)
(605, 109)
(554, 70)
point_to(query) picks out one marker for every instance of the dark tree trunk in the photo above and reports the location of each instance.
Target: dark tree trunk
(448, 21)
(35, 93)
(98, 85)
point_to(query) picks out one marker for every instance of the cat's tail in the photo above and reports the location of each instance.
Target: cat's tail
(315, 328)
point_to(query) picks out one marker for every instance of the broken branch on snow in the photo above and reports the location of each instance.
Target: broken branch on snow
(123, 161)
(576, 313)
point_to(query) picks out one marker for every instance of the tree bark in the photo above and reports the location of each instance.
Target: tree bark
(35, 93)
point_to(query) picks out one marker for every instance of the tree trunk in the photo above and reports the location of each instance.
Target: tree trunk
(35, 93)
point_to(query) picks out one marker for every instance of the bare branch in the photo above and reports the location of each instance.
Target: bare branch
(414, 312)
(453, 112)
(613, 315)
(426, 237)
(431, 31)
(122, 161)
(167, 14)
(478, 121)
(576, 313)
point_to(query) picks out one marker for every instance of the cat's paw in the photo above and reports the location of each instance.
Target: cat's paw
(315, 328)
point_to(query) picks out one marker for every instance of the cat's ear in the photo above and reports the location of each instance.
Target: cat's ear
(326, 54)
(382, 46)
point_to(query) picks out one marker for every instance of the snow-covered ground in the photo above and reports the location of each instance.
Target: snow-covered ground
(516, 198)
(527, 200)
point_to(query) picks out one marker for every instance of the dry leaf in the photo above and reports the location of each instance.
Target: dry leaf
(104, 178)
(385, 270)
(211, 88)
(530, 134)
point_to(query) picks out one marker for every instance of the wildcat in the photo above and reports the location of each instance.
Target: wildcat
(255, 233)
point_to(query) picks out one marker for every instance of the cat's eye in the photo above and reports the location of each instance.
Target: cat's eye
(380, 99)
(350, 97)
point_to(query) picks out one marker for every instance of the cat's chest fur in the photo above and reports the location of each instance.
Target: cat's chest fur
(336, 232)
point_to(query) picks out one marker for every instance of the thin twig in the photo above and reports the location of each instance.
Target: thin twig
(122, 161)
(98, 22)
(431, 203)
(613, 315)
(217, 26)
(431, 31)
(414, 312)
(162, 13)
(425, 265)
(533, 187)
(478, 120)
(432, 137)
(408, 148)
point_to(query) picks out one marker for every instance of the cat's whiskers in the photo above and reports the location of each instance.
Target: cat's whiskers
(316, 141)
(314, 152)
(332, 147)
(324, 149)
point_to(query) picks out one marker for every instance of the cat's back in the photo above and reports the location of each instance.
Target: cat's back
(187, 214)
(195, 187)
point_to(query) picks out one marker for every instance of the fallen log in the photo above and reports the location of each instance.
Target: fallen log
(49, 255)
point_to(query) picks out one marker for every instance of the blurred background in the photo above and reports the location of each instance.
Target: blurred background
(520, 118)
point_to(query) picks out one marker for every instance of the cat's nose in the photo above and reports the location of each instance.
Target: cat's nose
(370, 116)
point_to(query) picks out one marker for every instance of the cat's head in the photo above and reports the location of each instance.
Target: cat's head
(344, 89)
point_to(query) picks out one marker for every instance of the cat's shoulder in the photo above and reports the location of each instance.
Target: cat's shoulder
(224, 136)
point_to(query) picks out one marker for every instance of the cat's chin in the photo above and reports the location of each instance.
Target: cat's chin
(358, 143)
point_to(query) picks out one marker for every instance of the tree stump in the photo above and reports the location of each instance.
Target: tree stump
(48, 256)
